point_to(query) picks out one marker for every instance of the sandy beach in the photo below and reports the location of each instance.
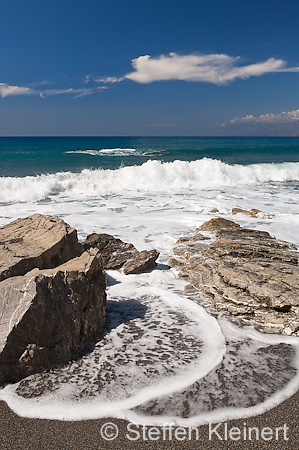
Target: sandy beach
(18, 433)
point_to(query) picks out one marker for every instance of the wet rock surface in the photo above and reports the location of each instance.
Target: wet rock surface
(246, 273)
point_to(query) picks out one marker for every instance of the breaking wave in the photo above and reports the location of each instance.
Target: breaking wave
(106, 151)
(150, 177)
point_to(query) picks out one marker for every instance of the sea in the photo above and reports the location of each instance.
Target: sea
(164, 358)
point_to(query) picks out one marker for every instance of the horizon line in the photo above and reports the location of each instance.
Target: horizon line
(150, 136)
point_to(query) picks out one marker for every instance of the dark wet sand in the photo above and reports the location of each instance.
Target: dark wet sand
(18, 433)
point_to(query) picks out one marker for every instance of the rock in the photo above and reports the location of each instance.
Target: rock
(247, 273)
(253, 213)
(142, 262)
(46, 315)
(36, 241)
(117, 254)
(214, 210)
(114, 252)
(218, 224)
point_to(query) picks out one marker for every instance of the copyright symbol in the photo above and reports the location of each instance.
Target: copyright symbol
(109, 431)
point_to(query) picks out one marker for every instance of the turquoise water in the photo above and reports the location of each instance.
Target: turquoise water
(31, 156)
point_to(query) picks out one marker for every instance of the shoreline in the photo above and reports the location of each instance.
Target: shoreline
(19, 433)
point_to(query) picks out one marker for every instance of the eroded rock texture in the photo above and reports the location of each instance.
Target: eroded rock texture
(36, 241)
(247, 273)
(46, 315)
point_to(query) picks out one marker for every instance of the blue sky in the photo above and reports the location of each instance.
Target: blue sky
(153, 68)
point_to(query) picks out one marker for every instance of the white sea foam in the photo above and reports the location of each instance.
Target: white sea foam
(257, 371)
(151, 177)
(107, 151)
(160, 348)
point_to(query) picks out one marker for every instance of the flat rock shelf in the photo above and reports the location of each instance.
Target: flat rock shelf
(248, 274)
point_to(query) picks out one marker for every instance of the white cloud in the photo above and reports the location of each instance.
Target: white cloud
(212, 68)
(77, 92)
(6, 90)
(109, 80)
(283, 117)
(289, 69)
(40, 83)
(49, 92)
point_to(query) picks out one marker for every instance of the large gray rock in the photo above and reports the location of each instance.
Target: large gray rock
(117, 254)
(246, 273)
(46, 315)
(36, 241)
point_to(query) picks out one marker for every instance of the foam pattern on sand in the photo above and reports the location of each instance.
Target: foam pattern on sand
(153, 345)
(255, 370)
(163, 358)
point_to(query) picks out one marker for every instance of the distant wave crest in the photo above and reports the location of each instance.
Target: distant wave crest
(106, 151)
(150, 177)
